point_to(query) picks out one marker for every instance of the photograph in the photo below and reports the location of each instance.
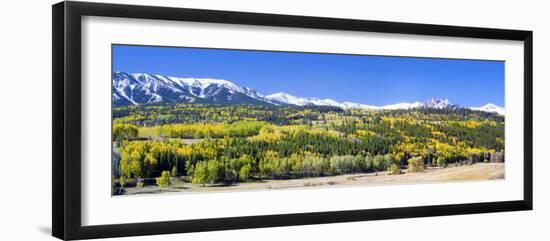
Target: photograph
(202, 120)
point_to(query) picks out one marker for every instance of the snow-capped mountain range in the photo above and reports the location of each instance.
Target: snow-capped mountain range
(284, 98)
(138, 88)
(135, 89)
(490, 108)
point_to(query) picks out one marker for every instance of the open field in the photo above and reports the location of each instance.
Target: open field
(480, 171)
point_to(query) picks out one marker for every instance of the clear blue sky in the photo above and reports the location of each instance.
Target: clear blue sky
(374, 80)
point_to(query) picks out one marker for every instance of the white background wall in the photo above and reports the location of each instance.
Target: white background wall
(25, 121)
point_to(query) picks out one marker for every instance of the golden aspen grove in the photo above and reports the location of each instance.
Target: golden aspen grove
(216, 145)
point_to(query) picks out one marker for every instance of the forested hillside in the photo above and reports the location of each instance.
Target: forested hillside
(221, 144)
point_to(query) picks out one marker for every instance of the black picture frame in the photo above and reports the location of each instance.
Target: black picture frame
(66, 128)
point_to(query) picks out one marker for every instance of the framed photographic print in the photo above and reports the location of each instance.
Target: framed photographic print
(169, 120)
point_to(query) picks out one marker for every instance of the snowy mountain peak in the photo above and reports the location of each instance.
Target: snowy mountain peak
(285, 98)
(490, 107)
(403, 106)
(437, 103)
(281, 96)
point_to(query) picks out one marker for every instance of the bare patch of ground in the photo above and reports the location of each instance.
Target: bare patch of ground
(480, 171)
(189, 141)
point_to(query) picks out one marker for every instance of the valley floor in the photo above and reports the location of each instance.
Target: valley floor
(480, 171)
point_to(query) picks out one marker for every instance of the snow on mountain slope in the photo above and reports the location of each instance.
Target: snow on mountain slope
(490, 108)
(284, 98)
(139, 88)
(204, 87)
(142, 88)
(352, 105)
(402, 106)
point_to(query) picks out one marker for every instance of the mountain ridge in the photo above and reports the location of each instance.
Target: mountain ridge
(142, 88)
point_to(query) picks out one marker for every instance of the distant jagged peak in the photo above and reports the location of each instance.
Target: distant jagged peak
(437, 103)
